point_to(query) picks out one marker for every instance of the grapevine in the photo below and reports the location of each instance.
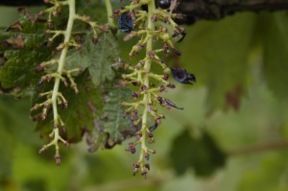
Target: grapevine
(152, 23)
(96, 73)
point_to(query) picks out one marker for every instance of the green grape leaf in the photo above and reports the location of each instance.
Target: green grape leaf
(20, 53)
(104, 56)
(19, 71)
(114, 120)
(112, 126)
(275, 52)
(81, 112)
(82, 57)
(97, 57)
(201, 153)
(217, 53)
(84, 8)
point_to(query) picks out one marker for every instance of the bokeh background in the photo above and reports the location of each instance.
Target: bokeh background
(231, 136)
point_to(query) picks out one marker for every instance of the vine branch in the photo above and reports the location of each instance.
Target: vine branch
(191, 11)
(261, 147)
(194, 10)
(109, 11)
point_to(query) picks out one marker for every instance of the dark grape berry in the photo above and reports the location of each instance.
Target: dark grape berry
(181, 75)
(125, 22)
(164, 4)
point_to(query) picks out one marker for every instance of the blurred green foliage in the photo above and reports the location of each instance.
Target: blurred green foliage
(199, 152)
(240, 101)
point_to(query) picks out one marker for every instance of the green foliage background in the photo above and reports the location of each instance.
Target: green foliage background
(242, 58)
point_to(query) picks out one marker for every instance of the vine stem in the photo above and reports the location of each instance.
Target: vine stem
(109, 11)
(61, 63)
(147, 66)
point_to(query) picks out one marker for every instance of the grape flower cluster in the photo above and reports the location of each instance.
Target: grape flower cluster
(150, 24)
(53, 99)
